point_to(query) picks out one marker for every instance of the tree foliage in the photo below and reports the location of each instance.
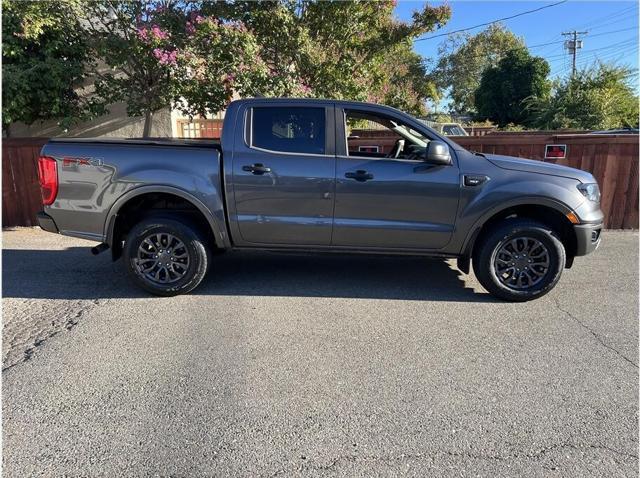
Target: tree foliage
(45, 58)
(505, 89)
(196, 55)
(166, 53)
(596, 98)
(345, 50)
(463, 58)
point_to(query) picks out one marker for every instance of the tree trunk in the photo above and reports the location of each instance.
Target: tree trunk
(148, 118)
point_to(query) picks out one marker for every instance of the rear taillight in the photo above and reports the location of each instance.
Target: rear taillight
(48, 176)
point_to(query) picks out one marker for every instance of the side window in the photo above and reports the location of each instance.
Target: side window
(289, 129)
(377, 136)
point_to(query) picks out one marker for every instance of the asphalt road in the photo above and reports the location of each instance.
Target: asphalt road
(316, 366)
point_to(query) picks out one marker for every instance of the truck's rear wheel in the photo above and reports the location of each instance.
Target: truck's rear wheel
(166, 256)
(519, 260)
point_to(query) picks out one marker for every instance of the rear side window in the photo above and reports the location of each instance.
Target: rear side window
(289, 129)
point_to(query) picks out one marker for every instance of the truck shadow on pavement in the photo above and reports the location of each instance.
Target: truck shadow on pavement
(74, 274)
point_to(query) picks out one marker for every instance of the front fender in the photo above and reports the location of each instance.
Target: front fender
(504, 206)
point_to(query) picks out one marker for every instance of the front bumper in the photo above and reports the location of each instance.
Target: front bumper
(46, 222)
(588, 238)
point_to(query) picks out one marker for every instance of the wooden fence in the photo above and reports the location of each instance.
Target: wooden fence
(21, 198)
(199, 128)
(479, 130)
(612, 159)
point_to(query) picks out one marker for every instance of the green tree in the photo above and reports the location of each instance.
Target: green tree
(405, 82)
(464, 57)
(345, 50)
(506, 88)
(600, 97)
(44, 61)
(196, 55)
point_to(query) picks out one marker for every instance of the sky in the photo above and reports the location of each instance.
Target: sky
(612, 27)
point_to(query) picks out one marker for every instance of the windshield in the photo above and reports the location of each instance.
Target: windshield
(375, 135)
(453, 130)
(410, 134)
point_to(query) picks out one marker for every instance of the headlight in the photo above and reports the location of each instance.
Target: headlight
(591, 191)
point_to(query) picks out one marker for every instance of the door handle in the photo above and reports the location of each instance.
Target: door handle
(257, 169)
(360, 175)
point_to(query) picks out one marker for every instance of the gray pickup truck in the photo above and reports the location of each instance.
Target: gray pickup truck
(287, 175)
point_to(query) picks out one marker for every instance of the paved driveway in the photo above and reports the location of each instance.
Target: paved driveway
(316, 366)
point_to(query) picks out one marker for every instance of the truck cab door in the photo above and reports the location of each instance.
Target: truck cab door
(387, 196)
(283, 174)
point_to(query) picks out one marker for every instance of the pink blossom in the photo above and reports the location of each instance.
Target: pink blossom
(190, 28)
(235, 25)
(165, 57)
(305, 88)
(158, 33)
(229, 78)
(142, 34)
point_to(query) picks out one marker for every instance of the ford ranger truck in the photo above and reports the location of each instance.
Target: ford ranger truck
(287, 176)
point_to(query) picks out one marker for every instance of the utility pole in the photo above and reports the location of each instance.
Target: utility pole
(573, 45)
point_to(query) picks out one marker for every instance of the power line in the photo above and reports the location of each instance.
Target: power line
(626, 42)
(617, 53)
(599, 22)
(539, 45)
(613, 31)
(613, 56)
(492, 22)
(611, 19)
(590, 36)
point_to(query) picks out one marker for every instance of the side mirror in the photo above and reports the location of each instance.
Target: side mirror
(438, 153)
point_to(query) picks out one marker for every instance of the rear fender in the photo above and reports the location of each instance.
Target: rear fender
(219, 231)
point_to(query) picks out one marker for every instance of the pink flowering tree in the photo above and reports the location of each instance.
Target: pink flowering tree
(220, 60)
(134, 68)
(167, 53)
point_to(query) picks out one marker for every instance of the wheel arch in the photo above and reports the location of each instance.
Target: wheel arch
(125, 204)
(549, 212)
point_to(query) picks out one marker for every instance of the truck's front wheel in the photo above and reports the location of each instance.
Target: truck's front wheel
(519, 260)
(166, 256)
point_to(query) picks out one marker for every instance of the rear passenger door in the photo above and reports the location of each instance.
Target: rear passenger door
(284, 174)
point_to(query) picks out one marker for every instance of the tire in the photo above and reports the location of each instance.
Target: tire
(509, 261)
(187, 262)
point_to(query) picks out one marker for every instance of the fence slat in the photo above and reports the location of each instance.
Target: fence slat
(616, 215)
(20, 189)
